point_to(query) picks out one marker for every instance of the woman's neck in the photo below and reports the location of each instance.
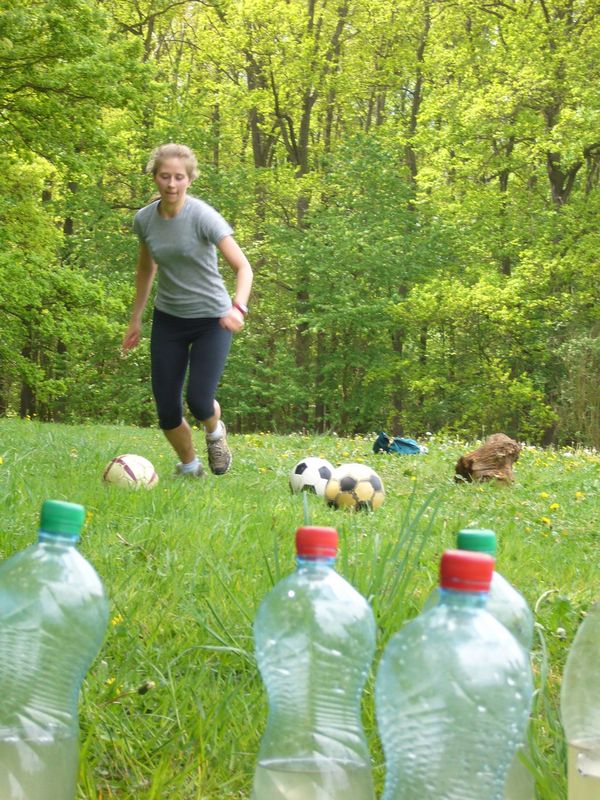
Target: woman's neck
(169, 210)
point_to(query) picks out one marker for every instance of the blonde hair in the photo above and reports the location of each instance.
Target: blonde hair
(172, 150)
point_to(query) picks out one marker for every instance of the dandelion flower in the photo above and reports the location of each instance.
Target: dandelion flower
(544, 495)
(554, 506)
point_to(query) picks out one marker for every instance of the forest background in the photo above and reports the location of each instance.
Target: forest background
(416, 185)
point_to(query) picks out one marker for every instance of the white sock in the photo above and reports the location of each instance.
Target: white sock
(191, 466)
(217, 433)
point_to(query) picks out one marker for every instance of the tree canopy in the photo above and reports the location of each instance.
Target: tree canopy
(415, 184)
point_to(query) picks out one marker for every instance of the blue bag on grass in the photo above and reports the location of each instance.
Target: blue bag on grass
(399, 444)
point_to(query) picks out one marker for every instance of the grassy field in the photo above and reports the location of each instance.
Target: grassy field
(173, 707)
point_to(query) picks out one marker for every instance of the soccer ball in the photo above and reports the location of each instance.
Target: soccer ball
(355, 486)
(130, 471)
(311, 475)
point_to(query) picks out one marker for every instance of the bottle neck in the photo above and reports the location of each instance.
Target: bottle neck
(315, 562)
(61, 540)
(462, 599)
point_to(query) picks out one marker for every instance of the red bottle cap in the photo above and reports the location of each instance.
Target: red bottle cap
(315, 542)
(466, 571)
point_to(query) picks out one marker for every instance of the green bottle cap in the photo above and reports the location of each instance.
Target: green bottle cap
(61, 518)
(479, 540)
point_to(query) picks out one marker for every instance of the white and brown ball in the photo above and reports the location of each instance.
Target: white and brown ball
(131, 472)
(355, 486)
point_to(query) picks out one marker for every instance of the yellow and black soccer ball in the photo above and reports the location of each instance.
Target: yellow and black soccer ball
(355, 486)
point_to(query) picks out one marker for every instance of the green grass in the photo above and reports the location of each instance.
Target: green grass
(173, 707)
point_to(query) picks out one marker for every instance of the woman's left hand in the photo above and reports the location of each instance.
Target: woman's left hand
(233, 320)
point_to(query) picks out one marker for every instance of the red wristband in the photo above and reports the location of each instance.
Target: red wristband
(241, 308)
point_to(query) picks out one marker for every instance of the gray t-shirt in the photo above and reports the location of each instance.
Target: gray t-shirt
(189, 281)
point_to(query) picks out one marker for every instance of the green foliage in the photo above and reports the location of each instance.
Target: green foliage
(59, 69)
(579, 400)
(416, 188)
(473, 372)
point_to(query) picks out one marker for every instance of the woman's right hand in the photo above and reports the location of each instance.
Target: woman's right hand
(144, 275)
(132, 336)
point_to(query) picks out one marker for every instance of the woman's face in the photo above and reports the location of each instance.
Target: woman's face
(172, 181)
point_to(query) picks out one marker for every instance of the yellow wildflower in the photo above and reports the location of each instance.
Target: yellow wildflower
(544, 495)
(554, 506)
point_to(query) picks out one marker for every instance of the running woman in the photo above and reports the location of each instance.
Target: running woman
(194, 317)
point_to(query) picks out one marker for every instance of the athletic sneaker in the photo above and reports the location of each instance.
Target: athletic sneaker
(196, 473)
(219, 454)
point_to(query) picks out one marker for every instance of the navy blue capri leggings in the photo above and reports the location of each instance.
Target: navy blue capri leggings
(175, 343)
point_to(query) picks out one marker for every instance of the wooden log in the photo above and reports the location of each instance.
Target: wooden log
(494, 459)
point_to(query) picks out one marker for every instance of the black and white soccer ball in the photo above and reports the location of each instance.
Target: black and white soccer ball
(311, 475)
(355, 486)
(131, 472)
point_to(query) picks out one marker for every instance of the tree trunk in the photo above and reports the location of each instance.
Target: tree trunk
(27, 400)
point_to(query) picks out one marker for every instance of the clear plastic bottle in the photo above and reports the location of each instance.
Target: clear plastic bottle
(452, 693)
(53, 616)
(504, 601)
(315, 639)
(580, 709)
(509, 607)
